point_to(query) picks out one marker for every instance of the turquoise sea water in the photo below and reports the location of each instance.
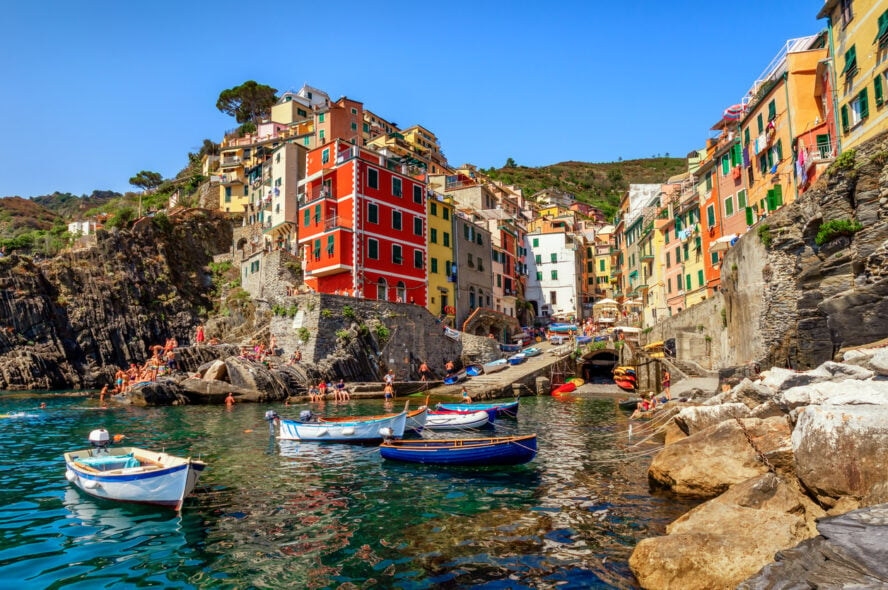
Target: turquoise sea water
(270, 514)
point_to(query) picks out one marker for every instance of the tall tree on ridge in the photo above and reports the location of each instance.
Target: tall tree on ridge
(247, 103)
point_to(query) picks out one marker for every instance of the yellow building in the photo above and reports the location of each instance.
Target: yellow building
(602, 245)
(441, 299)
(858, 40)
(233, 190)
(416, 146)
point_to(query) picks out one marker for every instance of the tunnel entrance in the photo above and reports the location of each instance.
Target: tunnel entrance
(598, 366)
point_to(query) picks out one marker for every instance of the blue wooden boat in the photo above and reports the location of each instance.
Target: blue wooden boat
(471, 452)
(517, 359)
(510, 347)
(584, 339)
(474, 370)
(532, 351)
(502, 408)
(563, 328)
(455, 378)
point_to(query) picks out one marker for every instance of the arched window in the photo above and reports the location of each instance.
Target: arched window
(381, 289)
(401, 291)
(471, 297)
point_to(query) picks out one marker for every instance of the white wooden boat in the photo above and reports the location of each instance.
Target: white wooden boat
(357, 429)
(532, 351)
(495, 366)
(129, 474)
(457, 420)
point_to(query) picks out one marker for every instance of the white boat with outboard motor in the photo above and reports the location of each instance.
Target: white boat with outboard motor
(130, 474)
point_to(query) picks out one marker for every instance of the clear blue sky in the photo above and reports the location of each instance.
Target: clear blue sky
(93, 92)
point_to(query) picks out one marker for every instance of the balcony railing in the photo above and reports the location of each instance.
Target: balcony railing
(229, 162)
(318, 192)
(333, 223)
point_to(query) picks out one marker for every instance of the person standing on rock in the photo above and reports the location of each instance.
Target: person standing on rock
(449, 368)
(424, 373)
(667, 381)
(199, 336)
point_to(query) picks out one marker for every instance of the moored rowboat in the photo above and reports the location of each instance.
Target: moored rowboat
(502, 409)
(495, 366)
(130, 474)
(510, 450)
(474, 370)
(358, 429)
(456, 420)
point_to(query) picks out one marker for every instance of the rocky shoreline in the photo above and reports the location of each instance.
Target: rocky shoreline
(773, 458)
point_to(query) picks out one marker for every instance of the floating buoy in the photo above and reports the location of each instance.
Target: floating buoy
(119, 437)
(248, 430)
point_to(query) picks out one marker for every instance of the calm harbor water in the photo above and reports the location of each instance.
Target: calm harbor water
(270, 514)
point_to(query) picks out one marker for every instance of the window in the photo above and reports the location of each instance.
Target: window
(317, 215)
(601, 265)
(331, 242)
(708, 181)
(479, 239)
(446, 239)
(433, 208)
(354, 111)
(373, 249)
(726, 165)
(366, 128)
(539, 275)
(227, 194)
(301, 112)
(536, 242)
(554, 275)
(685, 248)
(433, 235)
(317, 249)
(710, 216)
(434, 265)
(467, 232)
(772, 110)
(847, 13)
(729, 206)
(372, 178)
(850, 62)
(713, 257)
(859, 108)
(397, 257)
(669, 285)
(417, 259)
(307, 141)
(417, 193)
(668, 260)
(499, 280)
(325, 156)
(445, 213)
(354, 126)
(677, 255)
(741, 199)
(688, 282)
(538, 258)
(471, 261)
(553, 297)
(396, 186)
(882, 34)
(760, 123)
(372, 213)
(306, 217)
(417, 226)
(321, 134)
(321, 118)
(554, 257)
(381, 290)
(746, 136)
(700, 277)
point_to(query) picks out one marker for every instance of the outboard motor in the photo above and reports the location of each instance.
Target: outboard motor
(100, 439)
(306, 416)
(271, 416)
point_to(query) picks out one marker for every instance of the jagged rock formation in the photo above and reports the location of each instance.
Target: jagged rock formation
(72, 320)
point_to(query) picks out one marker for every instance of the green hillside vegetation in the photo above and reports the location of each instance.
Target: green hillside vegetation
(72, 207)
(600, 185)
(26, 225)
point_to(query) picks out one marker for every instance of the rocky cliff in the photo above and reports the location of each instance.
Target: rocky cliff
(805, 282)
(70, 321)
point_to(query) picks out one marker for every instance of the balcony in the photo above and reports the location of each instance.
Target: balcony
(325, 271)
(647, 257)
(313, 194)
(231, 162)
(334, 222)
(231, 179)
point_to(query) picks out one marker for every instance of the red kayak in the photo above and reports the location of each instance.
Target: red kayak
(625, 385)
(565, 388)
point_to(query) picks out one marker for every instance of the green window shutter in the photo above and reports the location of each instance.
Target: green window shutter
(729, 206)
(554, 257)
(770, 159)
(770, 200)
(763, 164)
(882, 34)
(700, 277)
(741, 199)
(726, 165)
(539, 258)
(709, 181)
(760, 121)
(736, 155)
(850, 61)
(539, 275)
(554, 275)
(772, 110)
(750, 218)
(864, 104)
(710, 216)
(698, 242)
(688, 282)
(779, 150)
(306, 217)
(746, 136)
(536, 242)
(601, 265)
(434, 265)
(778, 196)
(845, 118)
(877, 88)
(668, 260)
(713, 257)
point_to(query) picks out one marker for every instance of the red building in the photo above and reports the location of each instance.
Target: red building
(362, 225)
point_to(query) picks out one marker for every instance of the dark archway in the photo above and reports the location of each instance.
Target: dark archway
(597, 366)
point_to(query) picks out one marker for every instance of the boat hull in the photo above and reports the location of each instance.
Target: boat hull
(502, 409)
(529, 352)
(474, 370)
(457, 420)
(454, 379)
(495, 366)
(161, 479)
(625, 385)
(361, 431)
(513, 450)
(517, 359)
(564, 388)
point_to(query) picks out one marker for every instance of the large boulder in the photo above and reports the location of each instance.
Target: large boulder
(164, 392)
(850, 392)
(879, 362)
(782, 379)
(255, 377)
(200, 391)
(851, 552)
(697, 418)
(725, 540)
(843, 451)
(746, 392)
(217, 371)
(709, 462)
